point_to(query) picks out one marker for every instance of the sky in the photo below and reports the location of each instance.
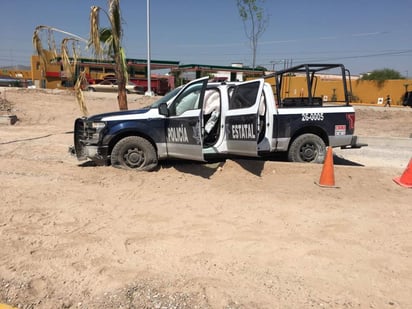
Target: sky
(364, 35)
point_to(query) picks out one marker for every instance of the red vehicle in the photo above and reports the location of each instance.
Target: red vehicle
(159, 86)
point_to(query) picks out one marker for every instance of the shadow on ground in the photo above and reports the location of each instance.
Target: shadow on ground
(207, 169)
(337, 160)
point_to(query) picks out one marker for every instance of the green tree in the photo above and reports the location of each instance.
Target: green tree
(107, 42)
(261, 68)
(382, 75)
(254, 22)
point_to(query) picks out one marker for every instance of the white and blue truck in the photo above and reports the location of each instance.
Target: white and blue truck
(203, 119)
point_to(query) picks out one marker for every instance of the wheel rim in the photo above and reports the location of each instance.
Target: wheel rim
(134, 158)
(308, 152)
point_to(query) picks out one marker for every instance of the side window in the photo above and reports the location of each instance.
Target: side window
(187, 100)
(244, 95)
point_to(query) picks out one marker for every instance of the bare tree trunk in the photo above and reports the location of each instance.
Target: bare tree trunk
(122, 100)
(250, 11)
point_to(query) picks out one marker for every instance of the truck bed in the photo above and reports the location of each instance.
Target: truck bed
(301, 102)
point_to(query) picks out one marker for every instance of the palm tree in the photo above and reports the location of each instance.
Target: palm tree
(51, 42)
(51, 52)
(111, 39)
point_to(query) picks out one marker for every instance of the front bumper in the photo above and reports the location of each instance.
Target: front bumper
(86, 147)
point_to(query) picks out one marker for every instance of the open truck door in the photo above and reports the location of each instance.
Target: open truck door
(184, 136)
(242, 118)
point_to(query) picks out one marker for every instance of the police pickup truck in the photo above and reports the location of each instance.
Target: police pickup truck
(202, 119)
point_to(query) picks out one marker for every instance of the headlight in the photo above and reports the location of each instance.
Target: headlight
(95, 128)
(98, 126)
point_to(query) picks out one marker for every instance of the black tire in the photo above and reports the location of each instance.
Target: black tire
(307, 148)
(91, 89)
(134, 153)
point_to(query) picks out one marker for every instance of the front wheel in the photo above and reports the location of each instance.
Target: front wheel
(134, 153)
(307, 148)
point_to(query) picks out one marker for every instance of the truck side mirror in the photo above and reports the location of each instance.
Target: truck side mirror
(163, 110)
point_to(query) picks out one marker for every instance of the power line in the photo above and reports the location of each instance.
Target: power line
(393, 53)
(320, 59)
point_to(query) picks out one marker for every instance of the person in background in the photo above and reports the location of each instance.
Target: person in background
(388, 100)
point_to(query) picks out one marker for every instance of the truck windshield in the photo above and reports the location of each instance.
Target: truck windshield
(166, 98)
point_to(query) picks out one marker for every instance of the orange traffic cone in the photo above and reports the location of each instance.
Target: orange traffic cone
(327, 178)
(406, 179)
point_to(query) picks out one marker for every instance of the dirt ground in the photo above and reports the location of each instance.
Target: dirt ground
(230, 234)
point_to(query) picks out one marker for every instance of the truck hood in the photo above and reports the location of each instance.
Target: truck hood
(99, 117)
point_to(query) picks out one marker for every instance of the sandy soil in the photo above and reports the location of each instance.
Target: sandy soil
(231, 234)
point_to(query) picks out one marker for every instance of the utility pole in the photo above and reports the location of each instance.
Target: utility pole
(149, 91)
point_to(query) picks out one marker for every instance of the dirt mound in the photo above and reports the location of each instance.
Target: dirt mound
(5, 105)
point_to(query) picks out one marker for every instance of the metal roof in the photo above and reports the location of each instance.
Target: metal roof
(206, 67)
(155, 64)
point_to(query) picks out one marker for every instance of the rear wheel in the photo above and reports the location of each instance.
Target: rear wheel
(134, 153)
(307, 148)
